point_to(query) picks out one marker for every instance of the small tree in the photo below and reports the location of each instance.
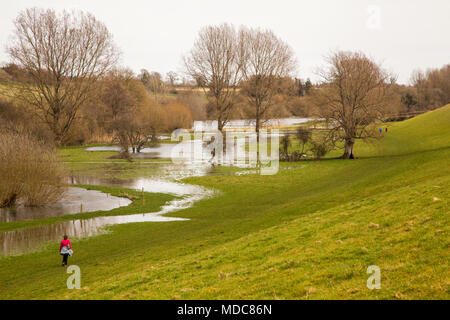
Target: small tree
(409, 101)
(153, 82)
(285, 144)
(308, 86)
(319, 148)
(116, 93)
(172, 77)
(130, 110)
(303, 136)
(133, 129)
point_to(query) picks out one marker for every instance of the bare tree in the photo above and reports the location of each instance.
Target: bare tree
(215, 63)
(268, 59)
(353, 97)
(172, 77)
(64, 54)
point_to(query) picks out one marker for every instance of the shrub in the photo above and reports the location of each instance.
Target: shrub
(304, 136)
(285, 143)
(30, 172)
(319, 149)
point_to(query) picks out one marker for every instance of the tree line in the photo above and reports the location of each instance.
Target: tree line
(67, 86)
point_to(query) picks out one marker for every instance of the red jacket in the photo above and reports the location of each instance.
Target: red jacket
(65, 243)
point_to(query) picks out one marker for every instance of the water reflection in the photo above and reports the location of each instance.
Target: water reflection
(163, 151)
(247, 123)
(25, 240)
(75, 200)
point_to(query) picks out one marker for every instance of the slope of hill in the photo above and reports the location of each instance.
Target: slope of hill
(429, 131)
(309, 232)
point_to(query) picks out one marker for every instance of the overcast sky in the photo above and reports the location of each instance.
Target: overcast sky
(402, 34)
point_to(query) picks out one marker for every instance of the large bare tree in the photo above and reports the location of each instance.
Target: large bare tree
(215, 63)
(268, 59)
(63, 54)
(353, 97)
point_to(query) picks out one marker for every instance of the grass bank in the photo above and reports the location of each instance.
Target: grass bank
(141, 203)
(309, 232)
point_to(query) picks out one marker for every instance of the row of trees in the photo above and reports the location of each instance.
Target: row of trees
(252, 63)
(133, 116)
(251, 70)
(66, 67)
(123, 110)
(247, 62)
(431, 89)
(70, 81)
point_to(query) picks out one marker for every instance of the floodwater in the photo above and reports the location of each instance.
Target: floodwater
(250, 123)
(75, 200)
(197, 153)
(161, 178)
(163, 151)
(25, 240)
(158, 176)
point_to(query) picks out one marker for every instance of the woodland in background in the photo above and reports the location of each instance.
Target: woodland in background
(147, 104)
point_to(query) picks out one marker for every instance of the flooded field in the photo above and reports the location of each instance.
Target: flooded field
(248, 123)
(75, 200)
(160, 177)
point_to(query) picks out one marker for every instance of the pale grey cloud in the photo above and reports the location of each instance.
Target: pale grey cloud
(155, 34)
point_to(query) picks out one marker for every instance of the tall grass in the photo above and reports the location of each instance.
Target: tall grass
(30, 172)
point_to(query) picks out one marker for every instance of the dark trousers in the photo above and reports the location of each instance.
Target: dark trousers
(65, 257)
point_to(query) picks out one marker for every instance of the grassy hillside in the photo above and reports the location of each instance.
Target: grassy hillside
(309, 232)
(430, 131)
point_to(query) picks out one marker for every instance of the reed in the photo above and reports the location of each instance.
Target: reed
(30, 171)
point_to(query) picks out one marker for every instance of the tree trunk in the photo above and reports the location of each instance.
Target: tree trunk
(220, 126)
(348, 153)
(257, 128)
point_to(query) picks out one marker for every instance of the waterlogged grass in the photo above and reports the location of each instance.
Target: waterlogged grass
(79, 154)
(141, 203)
(309, 232)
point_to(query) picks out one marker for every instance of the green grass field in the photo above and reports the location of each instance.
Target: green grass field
(309, 232)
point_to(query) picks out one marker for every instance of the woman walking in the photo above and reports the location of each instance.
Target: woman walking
(65, 249)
